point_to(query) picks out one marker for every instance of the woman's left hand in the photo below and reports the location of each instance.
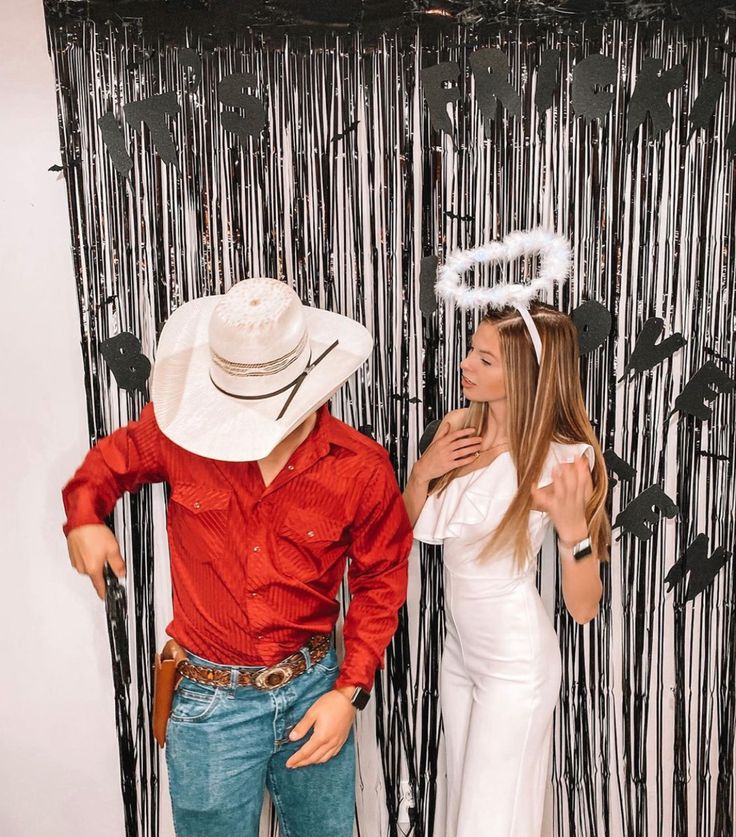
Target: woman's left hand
(565, 499)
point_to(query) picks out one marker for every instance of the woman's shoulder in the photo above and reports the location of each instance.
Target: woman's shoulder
(456, 418)
(560, 452)
(568, 451)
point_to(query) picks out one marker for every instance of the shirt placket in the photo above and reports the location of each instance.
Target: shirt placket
(301, 460)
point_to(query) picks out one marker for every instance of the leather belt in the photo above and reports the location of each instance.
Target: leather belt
(265, 678)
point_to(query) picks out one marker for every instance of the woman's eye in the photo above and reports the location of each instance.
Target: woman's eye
(486, 363)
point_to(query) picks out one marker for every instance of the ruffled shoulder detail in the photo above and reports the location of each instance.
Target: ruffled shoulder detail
(564, 452)
(480, 498)
(467, 501)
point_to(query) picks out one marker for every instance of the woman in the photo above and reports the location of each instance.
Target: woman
(495, 476)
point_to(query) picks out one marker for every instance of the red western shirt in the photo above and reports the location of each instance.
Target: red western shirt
(255, 569)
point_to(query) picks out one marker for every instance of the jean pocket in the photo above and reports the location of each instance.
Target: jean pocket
(194, 702)
(329, 663)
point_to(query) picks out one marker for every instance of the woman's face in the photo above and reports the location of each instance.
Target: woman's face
(482, 370)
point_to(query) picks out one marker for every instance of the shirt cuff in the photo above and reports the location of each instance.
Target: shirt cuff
(77, 520)
(356, 674)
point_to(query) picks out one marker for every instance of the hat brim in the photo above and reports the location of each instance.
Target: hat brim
(198, 417)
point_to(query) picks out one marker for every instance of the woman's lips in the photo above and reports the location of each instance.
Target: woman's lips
(466, 382)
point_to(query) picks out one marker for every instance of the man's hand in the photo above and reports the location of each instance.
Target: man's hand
(332, 716)
(90, 548)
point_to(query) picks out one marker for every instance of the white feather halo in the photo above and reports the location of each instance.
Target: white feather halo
(555, 259)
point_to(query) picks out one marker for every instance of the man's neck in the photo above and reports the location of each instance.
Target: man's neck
(290, 443)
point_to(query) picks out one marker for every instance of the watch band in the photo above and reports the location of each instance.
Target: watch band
(360, 697)
(582, 548)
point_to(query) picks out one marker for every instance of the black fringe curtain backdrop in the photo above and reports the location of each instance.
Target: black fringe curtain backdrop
(347, 161)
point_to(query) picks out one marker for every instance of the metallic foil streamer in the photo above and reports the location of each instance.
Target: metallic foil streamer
(343, 194)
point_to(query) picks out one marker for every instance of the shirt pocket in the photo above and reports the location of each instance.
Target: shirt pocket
(310, 544)
(199, 518)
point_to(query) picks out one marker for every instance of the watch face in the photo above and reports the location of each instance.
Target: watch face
(360, 698)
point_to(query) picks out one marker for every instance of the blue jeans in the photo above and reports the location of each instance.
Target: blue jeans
(224, 745)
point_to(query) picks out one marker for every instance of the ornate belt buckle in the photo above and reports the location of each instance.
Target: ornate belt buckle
(272, 678)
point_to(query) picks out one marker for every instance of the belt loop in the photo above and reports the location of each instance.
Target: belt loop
(304, 651)
(234, 672)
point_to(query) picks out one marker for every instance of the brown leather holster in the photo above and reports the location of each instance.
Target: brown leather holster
(166, 679)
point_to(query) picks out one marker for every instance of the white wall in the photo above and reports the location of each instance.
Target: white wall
(59, 768)
(58, 750)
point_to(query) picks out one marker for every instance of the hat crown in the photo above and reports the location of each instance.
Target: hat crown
(257, 321)
(233, 376)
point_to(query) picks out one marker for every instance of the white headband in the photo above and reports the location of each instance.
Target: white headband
(554, 265)
(533, 331)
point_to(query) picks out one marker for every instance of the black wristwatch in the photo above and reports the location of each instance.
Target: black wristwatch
(360, 697)
(582, 548)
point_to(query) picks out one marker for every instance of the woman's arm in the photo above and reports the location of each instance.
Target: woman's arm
(415, 495)
(581, 580)
(449, 449)
(564, 500)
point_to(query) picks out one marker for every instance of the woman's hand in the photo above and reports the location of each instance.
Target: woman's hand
(565, 499)
(449, 449)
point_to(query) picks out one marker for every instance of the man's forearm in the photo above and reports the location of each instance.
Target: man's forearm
(371, 621)
(120, 462)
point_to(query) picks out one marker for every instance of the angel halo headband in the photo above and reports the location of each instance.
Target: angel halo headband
(554, 265)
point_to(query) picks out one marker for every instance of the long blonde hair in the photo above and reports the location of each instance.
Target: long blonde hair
(545, 405)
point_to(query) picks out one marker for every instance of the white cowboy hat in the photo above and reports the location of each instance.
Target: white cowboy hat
(236, 373)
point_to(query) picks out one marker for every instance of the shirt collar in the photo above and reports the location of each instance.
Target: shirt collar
(329, 431)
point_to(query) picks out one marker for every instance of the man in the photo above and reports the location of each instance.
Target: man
(269, 495)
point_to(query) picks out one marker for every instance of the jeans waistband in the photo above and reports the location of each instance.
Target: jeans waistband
(304, 651)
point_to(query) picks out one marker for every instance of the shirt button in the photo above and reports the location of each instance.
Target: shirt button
(289, 467)
(259, 636)
(310, 534)
(254, 594)
(197, 505)
(256, 549)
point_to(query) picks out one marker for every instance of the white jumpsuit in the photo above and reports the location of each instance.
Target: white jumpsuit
(500, 673)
